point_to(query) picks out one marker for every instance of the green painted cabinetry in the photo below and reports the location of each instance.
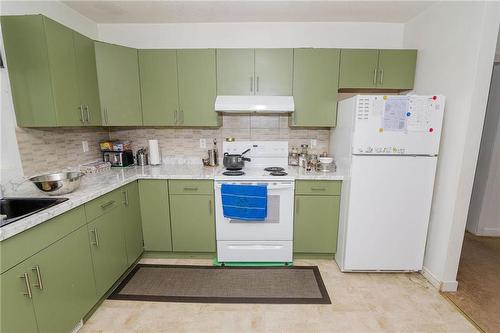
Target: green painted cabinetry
(131, 218)
(107, 243)
(63, 283)
(254, 71)
(119, 88)
(57, 279)
(381, 69)
(316, 217)
(155, 213)
(51, 71)
(192, 219)
(197, 88)
(159, 91)
(315, 85)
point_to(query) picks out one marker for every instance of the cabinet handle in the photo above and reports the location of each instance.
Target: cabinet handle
(182, 116)
(26, 278)
(175, 116)
(82, 117)
(258, 83)
(39, 285)
(375, 76)
(125, 198)
(318, 188)
(382, 76)
(295, 117)
(251, 84)
(96, 237)
(106, 115)
(297, 205)
(87, 113)
(210, 207)
(191, 188)
(107, 204)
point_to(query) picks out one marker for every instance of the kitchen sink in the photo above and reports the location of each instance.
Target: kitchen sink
(14, 209)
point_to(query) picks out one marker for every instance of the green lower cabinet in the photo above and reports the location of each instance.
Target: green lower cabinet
(63, 283)
(155, 213)
(193, 223)
(131, 212)
(109, 254)
(316, 223)
(16, 312)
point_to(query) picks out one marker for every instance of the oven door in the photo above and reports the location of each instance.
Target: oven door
(277, 226)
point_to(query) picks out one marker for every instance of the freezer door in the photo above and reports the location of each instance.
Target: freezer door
(388, 213)
(404, 125)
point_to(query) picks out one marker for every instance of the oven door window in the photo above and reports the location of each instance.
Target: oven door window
(273, 211)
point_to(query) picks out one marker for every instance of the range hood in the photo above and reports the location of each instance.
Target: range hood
(260, 104)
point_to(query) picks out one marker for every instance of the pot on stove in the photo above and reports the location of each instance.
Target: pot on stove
(235, 161)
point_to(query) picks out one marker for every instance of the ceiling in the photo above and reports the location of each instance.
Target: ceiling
(248, 11)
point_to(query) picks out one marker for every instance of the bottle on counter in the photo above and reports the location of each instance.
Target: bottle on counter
(216, 153)
(293, 156)
(303, 156)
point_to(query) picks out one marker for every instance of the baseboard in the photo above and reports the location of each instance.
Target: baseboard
(445, 286)
(490, 232)
(178, 255)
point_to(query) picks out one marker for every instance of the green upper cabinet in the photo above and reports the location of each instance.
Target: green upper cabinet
(254, 71)
(315, 85)
(396, 69)
(155, 213)
(235, 71)
(358, 68)
(197, 88)
(87, 79)
(119, 88)
(50, 73)
(380, 69)
(273, 72)
(159, 91)
(131, 212)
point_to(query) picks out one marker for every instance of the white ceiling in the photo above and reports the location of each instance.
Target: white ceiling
(248, 11)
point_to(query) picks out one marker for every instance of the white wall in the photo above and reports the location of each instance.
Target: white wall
(10, 161)
(456, 43)
(484, 210)
(205, 35)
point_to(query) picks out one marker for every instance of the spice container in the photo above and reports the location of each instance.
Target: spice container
(303, 156)
(293, 157)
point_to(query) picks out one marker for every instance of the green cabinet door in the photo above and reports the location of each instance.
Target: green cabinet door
(358, 68)
(16, 311)
(315, 85)
(396, 69)
(273, 72)
(193, 226)
(63, 284)
(316, 224)
(119, 88)
(235, 71)
(87, 79)
(109, 255)
(155, 214)
(159, 92)
(197, 87)
(131, 217)
(28, 68)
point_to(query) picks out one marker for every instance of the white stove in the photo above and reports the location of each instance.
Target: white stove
(270, 240)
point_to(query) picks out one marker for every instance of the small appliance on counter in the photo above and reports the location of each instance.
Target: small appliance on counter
(119, 158)
(141, 158)
(326, 164)
(154, 152)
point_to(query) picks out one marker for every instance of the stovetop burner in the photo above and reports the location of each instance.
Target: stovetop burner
(275, 169)
(233, 173)
(278, 173)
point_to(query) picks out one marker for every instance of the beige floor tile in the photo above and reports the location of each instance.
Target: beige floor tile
(361, 302)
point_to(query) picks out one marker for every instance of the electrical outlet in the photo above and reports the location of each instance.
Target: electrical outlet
(314, 143)
(203, 143)
(85, 146)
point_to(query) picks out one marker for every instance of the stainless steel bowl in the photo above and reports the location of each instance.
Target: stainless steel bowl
(57, 183)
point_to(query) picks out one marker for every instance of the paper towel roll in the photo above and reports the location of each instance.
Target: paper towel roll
(154, 152)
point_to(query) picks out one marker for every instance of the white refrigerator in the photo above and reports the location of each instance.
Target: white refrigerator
(388, 146)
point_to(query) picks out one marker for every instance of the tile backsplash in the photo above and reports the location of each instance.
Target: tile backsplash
(52, 149)
(186, 142)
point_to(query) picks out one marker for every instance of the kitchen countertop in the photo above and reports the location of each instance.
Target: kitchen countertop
(95, 185)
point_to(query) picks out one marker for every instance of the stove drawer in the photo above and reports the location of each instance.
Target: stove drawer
(254, 251)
